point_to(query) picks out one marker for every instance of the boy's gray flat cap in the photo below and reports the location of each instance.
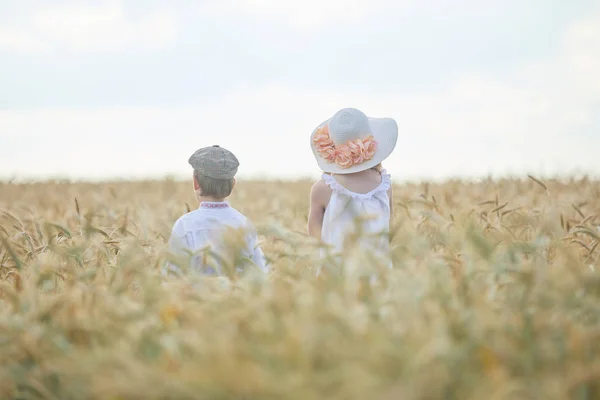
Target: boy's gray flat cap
(214, 162)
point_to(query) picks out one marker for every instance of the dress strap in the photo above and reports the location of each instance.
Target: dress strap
(386, 183)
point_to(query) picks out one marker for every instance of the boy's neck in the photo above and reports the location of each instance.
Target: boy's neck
(210, 199)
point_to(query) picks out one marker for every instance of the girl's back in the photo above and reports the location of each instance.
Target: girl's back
(358, 211)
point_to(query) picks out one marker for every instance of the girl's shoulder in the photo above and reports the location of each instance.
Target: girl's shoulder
(320, 191)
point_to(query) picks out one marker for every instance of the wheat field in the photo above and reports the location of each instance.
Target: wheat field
(494, 294)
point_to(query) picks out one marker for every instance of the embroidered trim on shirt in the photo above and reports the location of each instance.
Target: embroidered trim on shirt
(214, 205)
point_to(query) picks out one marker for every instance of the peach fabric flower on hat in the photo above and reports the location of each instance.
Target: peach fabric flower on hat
(331, 154)
(370, 147)
(357, 151)
(324, 144)
(344, 159)
(322, 139)
(352, 153)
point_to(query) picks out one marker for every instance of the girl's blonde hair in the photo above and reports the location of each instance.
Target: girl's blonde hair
(378, 168)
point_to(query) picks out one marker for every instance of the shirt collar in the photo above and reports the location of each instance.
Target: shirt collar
(214, 204)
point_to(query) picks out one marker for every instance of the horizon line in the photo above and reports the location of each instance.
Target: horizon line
(58, 178)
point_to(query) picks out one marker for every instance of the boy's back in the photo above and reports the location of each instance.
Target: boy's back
(209, 233)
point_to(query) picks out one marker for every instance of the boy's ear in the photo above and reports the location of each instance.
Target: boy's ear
(234, 182)
(196, 184)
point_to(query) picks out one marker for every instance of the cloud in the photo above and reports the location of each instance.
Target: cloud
(84, 29)
(305, 13)
(582, 50)
(310, 14)
(19, 41)
(459, 132)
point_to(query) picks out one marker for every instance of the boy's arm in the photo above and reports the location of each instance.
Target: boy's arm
(177, 243)
(258, 257)
(391, 197)
(319, 198)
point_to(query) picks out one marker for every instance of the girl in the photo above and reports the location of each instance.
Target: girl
(351, 206)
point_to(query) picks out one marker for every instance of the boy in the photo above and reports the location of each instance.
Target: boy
(215, 239)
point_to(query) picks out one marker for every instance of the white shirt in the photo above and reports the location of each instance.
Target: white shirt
(349, 213)
(210, 234)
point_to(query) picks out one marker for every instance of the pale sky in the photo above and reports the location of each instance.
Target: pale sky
(120, 89)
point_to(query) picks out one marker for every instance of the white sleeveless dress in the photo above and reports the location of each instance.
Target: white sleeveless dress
(362, 220)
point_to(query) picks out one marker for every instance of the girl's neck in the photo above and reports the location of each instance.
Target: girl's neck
(359, 174)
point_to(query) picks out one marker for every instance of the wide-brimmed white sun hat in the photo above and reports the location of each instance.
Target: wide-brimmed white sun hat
(351, 142)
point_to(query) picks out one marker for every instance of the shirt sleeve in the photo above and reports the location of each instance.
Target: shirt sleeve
(258, 257)
(177, 244)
